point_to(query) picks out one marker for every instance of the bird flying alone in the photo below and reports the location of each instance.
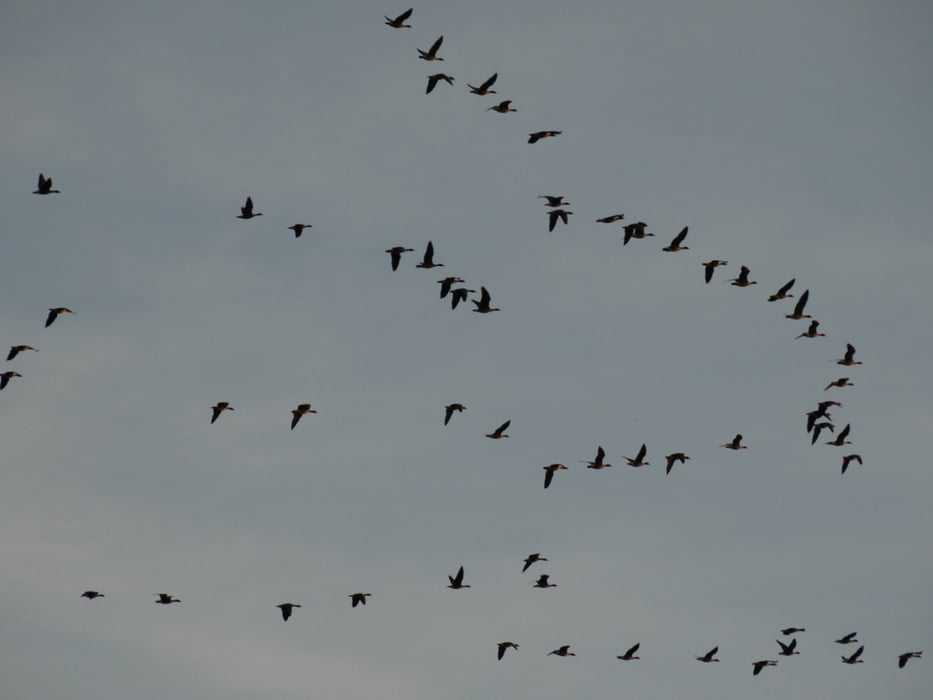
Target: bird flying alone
(556, 214)
(483, 89)
(758, 665)
(246, 211)
(358, 599)
(542, 582)
(500, 431)
(549, 475)
(532, 558)
(536, 136)
(505, 645)
(456, 582)
(449, 411)
(220, 408)
(630, 654)
(91, 595)
(297, 413)
(902, 659)
(55, 313)
(399, 22)
(286, 609)
(45, 186)
(298, 228)
(675, 457)
(165, 599)
(562, 651)
(17, 349)
(5, 378)
(433, 80)
(848, 459)
(708, 657)
(736, 443)
(431, 54)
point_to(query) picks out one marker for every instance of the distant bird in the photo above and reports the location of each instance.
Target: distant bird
(45, 186)
(812, 331)
(460, 294)
(711, 266)
(611, 219)
(675, 457)
(841, 438)
(54, 313)
(841, 382)
(542, 582)
(246, 211)
(758, 665)
(396, 253)
(848, 459)
(431, 54)
(847, 639)
(91, 595)
(707, 658)
(399, 22)
(298, 228)
(736, 443)
(793, 630)
(286, 609)
(788, 649)
(297, 413)
(635, 230)
(549, 473)
(847, 358)
(433, 80)
(819, 428)
(5, 378)
(598, 462)
(562, 651)
(502, 107)
(505, 645)
(798, 307)
(484, 88)
(630, 654)
(532, 558)
(17, 349)
(557, 201)
(427, 261)
(457, 581)
(449, 411)
(358, 598)
(782, 292)
(678, 239)
(556, 214)
(446, 284)
(482, 306)
(904, 658)
(500, 431)
(220, 408)
(854, 658)
(165, 599)
(639, 460)
(536, 136)
(742, 279)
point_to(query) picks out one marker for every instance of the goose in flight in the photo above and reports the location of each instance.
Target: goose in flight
(841, 438)
(427, 261)
(536, 136)
(711, 267)
(707, 658)
(552, 201)
(635, 230)
(678, 239)
(793, 630)
(54, 313)
(502, 107)
(639, 460)
(847, 359)
(611, 219)
(433, 80)
(165, 599)
(782, 292)
(298, 228)
(483, 89)
(854, 658)
(848, 459)
(449, 411)
(812, 331)
(297, 413)
(556, 214)
(91, 595)
(399, 22)
(675, 457)
(431, 54)
(542, 582)
(500, 431)
(562, 651)
(358, 598)
(598, 462)
(758, 665)
(220, 408)
(742, 279)
(456, 582)
(5, 378)
(841, 382)
(532, 558)
(446, 284)
(286, 609)
(788, 649)
(902, 659)
(396, 254)
(482, 306)
(736, 443)
(17, 349)
(460, 294)
(505, 645)
(630, 654)
(45, 186)
(549, 474)
(847, 639)
(798, 314)
(246, 211)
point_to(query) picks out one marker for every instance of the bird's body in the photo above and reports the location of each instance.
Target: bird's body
(396, 254)
(798, 314)
(449, 411)
(841, 382)
(431, 54)
(812, 331)
(165, 599)
(456, 582)
(611, 219)
(499, 432)
(45, 186)
(482, 306)
(55, 313)
(536, 136)
(483, 89)
(542, 582)
(635, 230)
(549, 473)
(246, 211)
(297, 413)
(678, 239)
(793, 630)
(358, 599)
(447, 283)
(902, 659)
(847, 639)
(552, 201)
(848, 359)
(459, 295)
(286, 609)
(788, 649)
(220, 408)
(841, 437)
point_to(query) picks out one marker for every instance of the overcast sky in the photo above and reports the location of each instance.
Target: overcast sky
(792, 137)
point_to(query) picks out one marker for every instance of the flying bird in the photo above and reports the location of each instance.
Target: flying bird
(841, 382)
(5, 378)
(220, 408)
(902, 659)
(847, 639)
(848, 459)
(598, 462)
(549, 473)
(298, 228)
(798, 314)
(45, 186)
(841, 438)
(460, 294)
(358, 598)
(433, 80)
(630, 654)
(736, 443)
(782, 292)
(246, 211)
(793, 630)
(427, 261)
(742, 279)
(557, 201)
(431, 54)
(758, 665)
(446, 284)
(399, 22)
(502, 107)
(457, 581)
(542, 582)
(707, 658)
(639, 460)
(286, 609)
(532, 558)
(675, 457)
(788, 649)
(482, 306)
(678, 239)
(505, 645)
(54, 313)
(297, 413)
(846, 359)
(562, 651)
(165, 599)
(819, 428)
(635, 230)
(556, 214)
(611, 219)
(17, 349)
(710, 268)
(812, 331)
(484, 88)
(449, 411)
(396, 254)
(538, 135)
(91, 595)
(854, 658)
(500, 431)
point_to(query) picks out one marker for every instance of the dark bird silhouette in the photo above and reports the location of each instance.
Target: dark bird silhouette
(536, 136)
(427, 261)
(433, 80)
(711, 267)
(297, 413)
(484, 88)
(532, 558)
(611, 219)
(675, 457)
(449, 411)
(562, 651)
(798, 307)
(848, 459)
(165, 599)
(17, 349)
(505, 645)
(286, 609)
(399, 22)
(457, 581)
(358, 599)
(557, 201)
(54, 313)
(742, 280)
(482, 306)
(542, 582)
(788, 649)
(678, 239)
(812, 331)
(904, 658)
(460, 294)
(841, 438)
(847, 639)
(630, 654)
(635, 230)
(5, 378)
(502, 107)
(431, 54)
(847, 359)
(298, 228)
(500, 431)
(793, 630)
(707, 658)
(639, 460)
(841, 382)
(758, 665)
(556, 214)
(246, 211)
(45, 186)
(220, 408)
(598, 462)
(819, 428)
(446, 284)
(782, 292)
(736, 443)
(396, 254)
(854, 658)
(91, 595)
(549, 473)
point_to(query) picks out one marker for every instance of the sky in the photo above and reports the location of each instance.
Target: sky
(792, 137)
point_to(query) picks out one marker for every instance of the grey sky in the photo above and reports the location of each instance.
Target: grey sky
(791, 137)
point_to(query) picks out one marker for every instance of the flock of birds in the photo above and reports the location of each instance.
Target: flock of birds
(818, 420)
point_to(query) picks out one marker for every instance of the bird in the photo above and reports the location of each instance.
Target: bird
(91, 595)
(675, 457)
(630, 654)
(358, 598)
(847, 358)
(793, 630)
(736, 443)
(297, 413)
(782, 292)
(812, 331)
(562, 651)
(611, 219)
(220, 408)
(788, 649)
(460, 294)
(639, 460)
(635, 230)
(449, 411)
(427, 261)
(841, 382)
(678, 239)
(5, 378)
(848, 459)
(396, 253)
(854, 658)
(552, 201)
(483, 89)
(532, 558)
(841, 438)
(556, 214)
(707, 658)
(549, 473)
(536, 136)
(431, 54)
(500, 431)
(17, 349)
(54, 313)
(847, 639)
(165, 599)
(446, 284)
(598, 462)
(399, 22)
(902, 659)
(45, 186)
(711, 266)
(819, 428)
(798, 307)
(246, 211)
(286, 609)
(298, 228)
(758, 665)
(433, 80)
(457, 581)
(542, 582)
(505, 645)
(482, 306)
(502, 107)
(742, 279)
